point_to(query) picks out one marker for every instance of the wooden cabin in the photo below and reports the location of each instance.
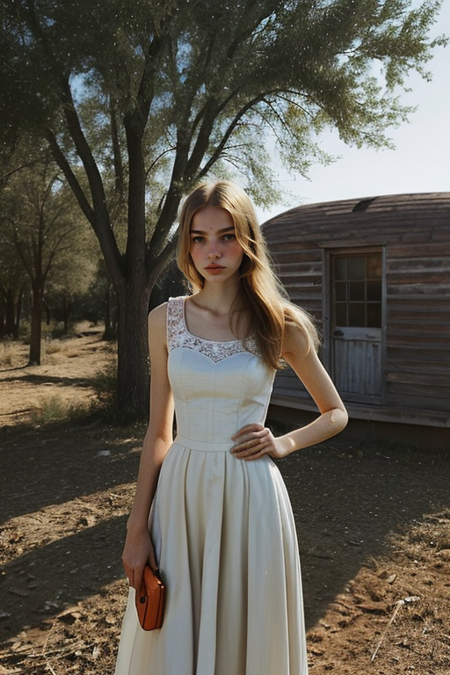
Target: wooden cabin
(375, 273)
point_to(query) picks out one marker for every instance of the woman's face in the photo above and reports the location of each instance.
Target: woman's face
(215, 251)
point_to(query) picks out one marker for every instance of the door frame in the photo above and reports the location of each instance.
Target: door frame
(327, 309)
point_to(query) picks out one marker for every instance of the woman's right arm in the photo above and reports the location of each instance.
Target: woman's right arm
(138, 548)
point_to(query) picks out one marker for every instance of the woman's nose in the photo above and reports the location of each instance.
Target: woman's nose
(213, 251)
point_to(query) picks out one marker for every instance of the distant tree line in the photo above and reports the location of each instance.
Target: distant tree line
(51, 267)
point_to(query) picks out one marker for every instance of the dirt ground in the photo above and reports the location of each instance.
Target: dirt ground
(373, 526)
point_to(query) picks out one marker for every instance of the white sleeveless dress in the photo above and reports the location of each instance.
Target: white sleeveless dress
(222, 528)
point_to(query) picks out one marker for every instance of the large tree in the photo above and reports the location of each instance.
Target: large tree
(149, 97)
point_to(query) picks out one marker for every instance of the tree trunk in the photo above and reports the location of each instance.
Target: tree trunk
(2, 318)
(18, 314)
(110, 322)
(133, 376)
(67, 306)
(48, 312)
(36, 328)
(9, 313)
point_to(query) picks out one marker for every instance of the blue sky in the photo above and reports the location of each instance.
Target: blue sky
(419, 163)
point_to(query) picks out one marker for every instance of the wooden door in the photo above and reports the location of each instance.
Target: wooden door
(357, 336)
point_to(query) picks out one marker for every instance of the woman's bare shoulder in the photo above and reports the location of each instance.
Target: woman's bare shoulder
(157, 317)
(295, 341)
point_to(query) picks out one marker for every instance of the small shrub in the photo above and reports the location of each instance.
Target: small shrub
(56, 409)
(52, 346)
(105, 386)
(49, 410)
(6, 356)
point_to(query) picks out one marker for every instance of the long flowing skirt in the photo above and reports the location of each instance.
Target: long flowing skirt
(225, 538)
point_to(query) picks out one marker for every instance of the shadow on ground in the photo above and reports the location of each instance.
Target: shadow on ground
(49, 380)
(346, 500)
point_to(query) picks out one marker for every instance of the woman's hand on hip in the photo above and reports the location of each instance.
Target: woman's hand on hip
(254, 441)
(137, 552)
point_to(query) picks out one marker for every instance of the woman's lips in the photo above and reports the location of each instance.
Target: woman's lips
(214, 269)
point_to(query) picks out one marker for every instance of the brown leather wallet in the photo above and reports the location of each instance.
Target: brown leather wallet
(150, 600)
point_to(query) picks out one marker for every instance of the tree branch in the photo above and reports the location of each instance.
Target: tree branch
(72, 180)
(7, 175)
(117, 155)
(225, 137)
(155, 161)
(100, 217)
(156, 265)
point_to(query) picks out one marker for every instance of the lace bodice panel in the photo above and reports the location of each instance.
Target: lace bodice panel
(218, 387)
(178, 335)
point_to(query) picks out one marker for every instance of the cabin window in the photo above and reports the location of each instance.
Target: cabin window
(357, 290)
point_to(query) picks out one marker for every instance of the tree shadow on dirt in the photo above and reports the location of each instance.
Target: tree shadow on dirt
(55, 465)
(49, 380)
(346, 501)
(10, 370)
(42, 582)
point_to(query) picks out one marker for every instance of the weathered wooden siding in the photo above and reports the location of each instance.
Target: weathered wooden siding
(302, 277)
(418, 326)
(414, 232)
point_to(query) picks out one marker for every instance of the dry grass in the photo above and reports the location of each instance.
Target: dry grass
(58, 409)
(52, 346)
(64, 386)
(10, 353)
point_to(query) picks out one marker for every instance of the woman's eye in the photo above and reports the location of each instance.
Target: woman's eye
(197, 240)
(229, 237)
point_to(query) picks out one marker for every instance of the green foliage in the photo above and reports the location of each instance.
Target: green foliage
(50, 410)
(192, 73)
(92, 304)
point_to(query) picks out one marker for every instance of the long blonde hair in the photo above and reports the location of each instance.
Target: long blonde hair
(263, 296)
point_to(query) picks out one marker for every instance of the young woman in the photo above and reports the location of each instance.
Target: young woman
(211, 509)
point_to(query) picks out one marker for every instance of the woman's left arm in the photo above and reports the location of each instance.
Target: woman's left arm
(255, 441)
